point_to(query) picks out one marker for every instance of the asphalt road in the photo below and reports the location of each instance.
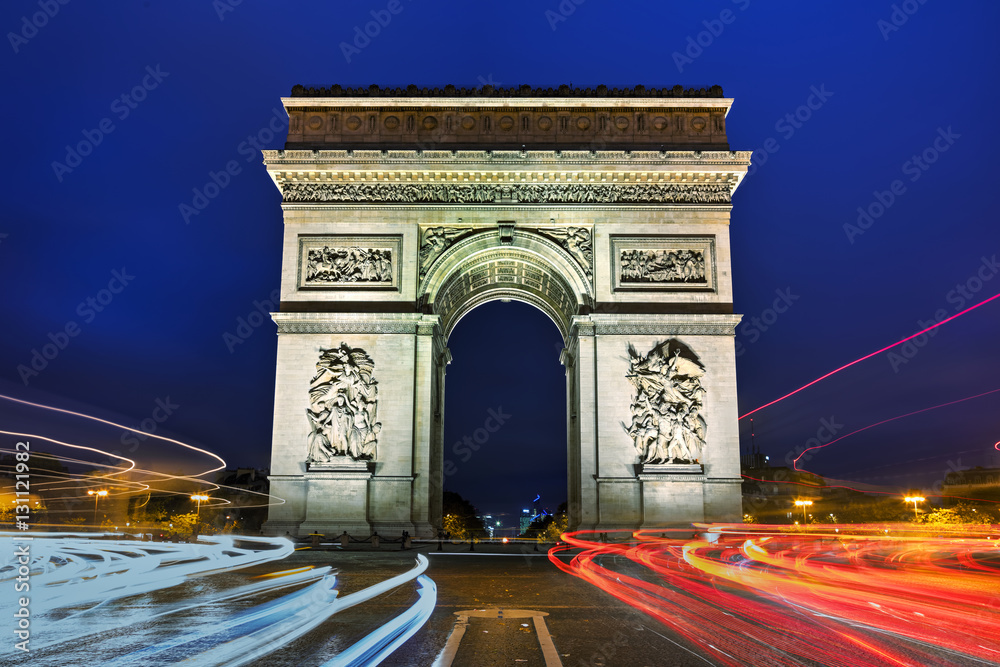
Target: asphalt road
(509, 609)
(586, 625)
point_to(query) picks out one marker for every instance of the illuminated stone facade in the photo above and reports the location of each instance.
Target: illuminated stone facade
(403, 210)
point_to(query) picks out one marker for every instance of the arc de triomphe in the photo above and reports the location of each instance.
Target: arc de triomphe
(608, 210)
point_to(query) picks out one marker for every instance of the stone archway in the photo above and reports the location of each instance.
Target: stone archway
(527, 265)
(389, 243)
(484, 265)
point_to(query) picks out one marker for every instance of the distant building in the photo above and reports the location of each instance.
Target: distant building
(489, 523)
(976, 483)
(525, 519)
(245, 488)
(770, 492)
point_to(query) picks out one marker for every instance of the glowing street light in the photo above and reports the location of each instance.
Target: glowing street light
(198, 498)
(97, 496)
(803, 504)
(914, 500)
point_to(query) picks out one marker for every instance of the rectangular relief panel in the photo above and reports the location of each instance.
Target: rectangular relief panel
(334, 262)
(663, 263)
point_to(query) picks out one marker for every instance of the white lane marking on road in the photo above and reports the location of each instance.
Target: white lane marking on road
(447, 654)
(545, 641)
(549, 652)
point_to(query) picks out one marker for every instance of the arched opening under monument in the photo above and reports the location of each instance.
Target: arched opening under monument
(505, 412)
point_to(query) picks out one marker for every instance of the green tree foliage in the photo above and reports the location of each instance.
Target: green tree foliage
(459, 517)
(961, 513)
(549, 527)
(874, 510)
(185, 523)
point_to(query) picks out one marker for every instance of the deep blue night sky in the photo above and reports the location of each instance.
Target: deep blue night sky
(888, 95)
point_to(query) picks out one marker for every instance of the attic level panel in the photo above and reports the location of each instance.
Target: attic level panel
(683, 125)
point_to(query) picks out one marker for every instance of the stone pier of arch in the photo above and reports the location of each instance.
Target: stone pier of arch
(464, 197)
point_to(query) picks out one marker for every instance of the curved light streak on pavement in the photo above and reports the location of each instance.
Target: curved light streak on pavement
(377, 646)
(869, 356)
(296, 615)
(91, 594)
(68, 570)
(789, 598)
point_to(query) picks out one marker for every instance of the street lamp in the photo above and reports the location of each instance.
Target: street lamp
(803, 504)
(914, 500)
(198, 498)
(97, 496)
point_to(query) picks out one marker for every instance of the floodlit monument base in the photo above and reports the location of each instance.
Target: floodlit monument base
(404, 210)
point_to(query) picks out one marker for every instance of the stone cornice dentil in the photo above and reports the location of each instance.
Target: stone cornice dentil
(416, 159)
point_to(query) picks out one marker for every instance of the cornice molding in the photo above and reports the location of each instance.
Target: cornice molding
(381, 206)
(657, 325)
(358, 323)
(493, 92)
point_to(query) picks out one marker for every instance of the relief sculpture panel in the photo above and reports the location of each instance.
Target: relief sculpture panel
(663, 263)
(667, 424)
(338, 262)
(343, 407)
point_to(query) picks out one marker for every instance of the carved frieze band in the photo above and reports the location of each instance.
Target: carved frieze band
(339, 327)
(411, 158)
(525, 193)
(527, 122)
(665, 329)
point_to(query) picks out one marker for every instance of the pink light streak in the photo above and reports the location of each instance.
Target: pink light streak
(869, 356)
(795, 463)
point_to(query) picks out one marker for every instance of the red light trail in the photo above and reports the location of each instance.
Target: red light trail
(775, 596)
(869, 356)
(795, 463)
